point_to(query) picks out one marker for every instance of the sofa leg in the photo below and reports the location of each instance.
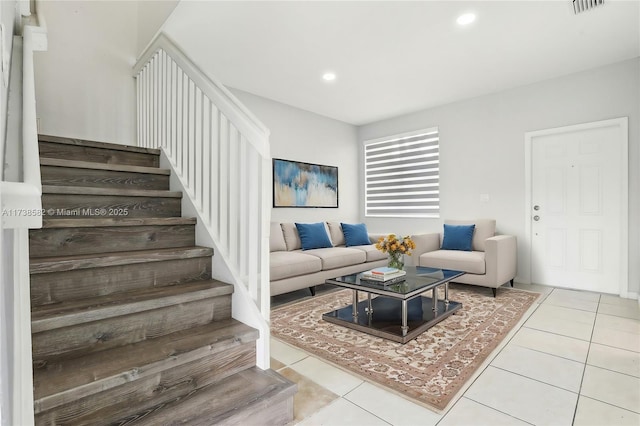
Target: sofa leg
(313, 290)
(495, 290)
(511, 282)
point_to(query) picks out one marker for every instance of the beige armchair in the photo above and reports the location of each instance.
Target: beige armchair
(490, 263)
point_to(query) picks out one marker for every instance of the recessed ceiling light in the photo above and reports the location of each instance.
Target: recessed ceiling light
(328, 76)
(466, 19)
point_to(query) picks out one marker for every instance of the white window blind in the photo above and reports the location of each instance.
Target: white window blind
(402, 175)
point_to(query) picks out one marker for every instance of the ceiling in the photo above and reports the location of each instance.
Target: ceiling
(392, 57)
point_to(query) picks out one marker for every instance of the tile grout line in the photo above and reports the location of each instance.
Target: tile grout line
(610, 404)
(614, 371)
(618, 316)
(360, 407)
(550, 354)
(568, 307)
(555, 334)
(535, 380)
(584, 368)
(616, 347)
(494, 409)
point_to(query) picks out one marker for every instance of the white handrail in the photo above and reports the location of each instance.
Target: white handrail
(21, 206)
(35, 39)
(22, 201)
(219, 153)
(230, 106)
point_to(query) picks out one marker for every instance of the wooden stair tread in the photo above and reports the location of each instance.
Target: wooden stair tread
(67, 379)
(67, 263)
(74, 164)
(58, 315)
(87, 190)
(117, 221)
(95, 144)
(230, 401)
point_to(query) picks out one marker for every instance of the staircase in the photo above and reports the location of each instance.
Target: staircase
(127, 325)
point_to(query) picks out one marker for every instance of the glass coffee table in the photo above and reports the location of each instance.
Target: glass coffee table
(399, 312)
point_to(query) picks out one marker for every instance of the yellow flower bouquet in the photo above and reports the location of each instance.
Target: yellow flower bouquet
(397, 248)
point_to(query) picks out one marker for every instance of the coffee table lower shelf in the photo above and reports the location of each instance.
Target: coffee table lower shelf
(386, 319)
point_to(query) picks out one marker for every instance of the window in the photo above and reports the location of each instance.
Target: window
(402, 175)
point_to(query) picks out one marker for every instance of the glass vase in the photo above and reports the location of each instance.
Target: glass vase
(396, 260)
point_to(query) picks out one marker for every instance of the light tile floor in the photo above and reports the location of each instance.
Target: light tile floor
(574, 360)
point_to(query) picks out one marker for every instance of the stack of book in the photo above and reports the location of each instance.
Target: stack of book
(384, 275)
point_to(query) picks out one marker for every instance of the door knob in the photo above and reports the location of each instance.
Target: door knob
(536, 208)
(536, 218)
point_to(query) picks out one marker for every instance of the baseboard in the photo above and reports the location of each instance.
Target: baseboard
(521, 280)
(631, 295)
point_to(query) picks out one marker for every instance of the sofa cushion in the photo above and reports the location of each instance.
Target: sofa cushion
(291, 238)
(284, 264)
(485, 228)
(465, 261)
(338, 257)
(276, 239)
(373, 254)
(457, 237)
(313, 235)
(337, 236)
(355, 234)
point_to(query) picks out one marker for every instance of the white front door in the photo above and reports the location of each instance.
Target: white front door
(578, 206)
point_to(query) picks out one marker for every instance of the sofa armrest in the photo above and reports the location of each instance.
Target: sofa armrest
(501, 258)
(375, 237)
(424, 244)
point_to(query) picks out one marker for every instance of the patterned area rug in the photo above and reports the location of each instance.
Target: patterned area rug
(430, 369)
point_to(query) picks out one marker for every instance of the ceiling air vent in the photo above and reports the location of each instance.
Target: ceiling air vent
(584, 5)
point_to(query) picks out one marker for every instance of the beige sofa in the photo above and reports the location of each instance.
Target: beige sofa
(491, 263)
(293, 268)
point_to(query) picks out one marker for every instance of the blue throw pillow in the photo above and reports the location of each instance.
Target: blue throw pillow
(355, 235)
(313, 235)
(458, 237)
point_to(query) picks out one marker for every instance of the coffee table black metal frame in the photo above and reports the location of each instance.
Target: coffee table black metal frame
(399, 312)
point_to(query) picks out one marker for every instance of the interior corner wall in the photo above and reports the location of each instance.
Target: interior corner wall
(482, 150)
(84, 83)
(151, 15)
(300, 135)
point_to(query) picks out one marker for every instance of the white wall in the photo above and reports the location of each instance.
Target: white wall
(304, 136)
(151, 16)
(482, 149)
(84, 84)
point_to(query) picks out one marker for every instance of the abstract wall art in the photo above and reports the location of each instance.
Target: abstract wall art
(297, 184)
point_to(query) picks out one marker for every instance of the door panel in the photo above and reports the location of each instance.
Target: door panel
(576, 229)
